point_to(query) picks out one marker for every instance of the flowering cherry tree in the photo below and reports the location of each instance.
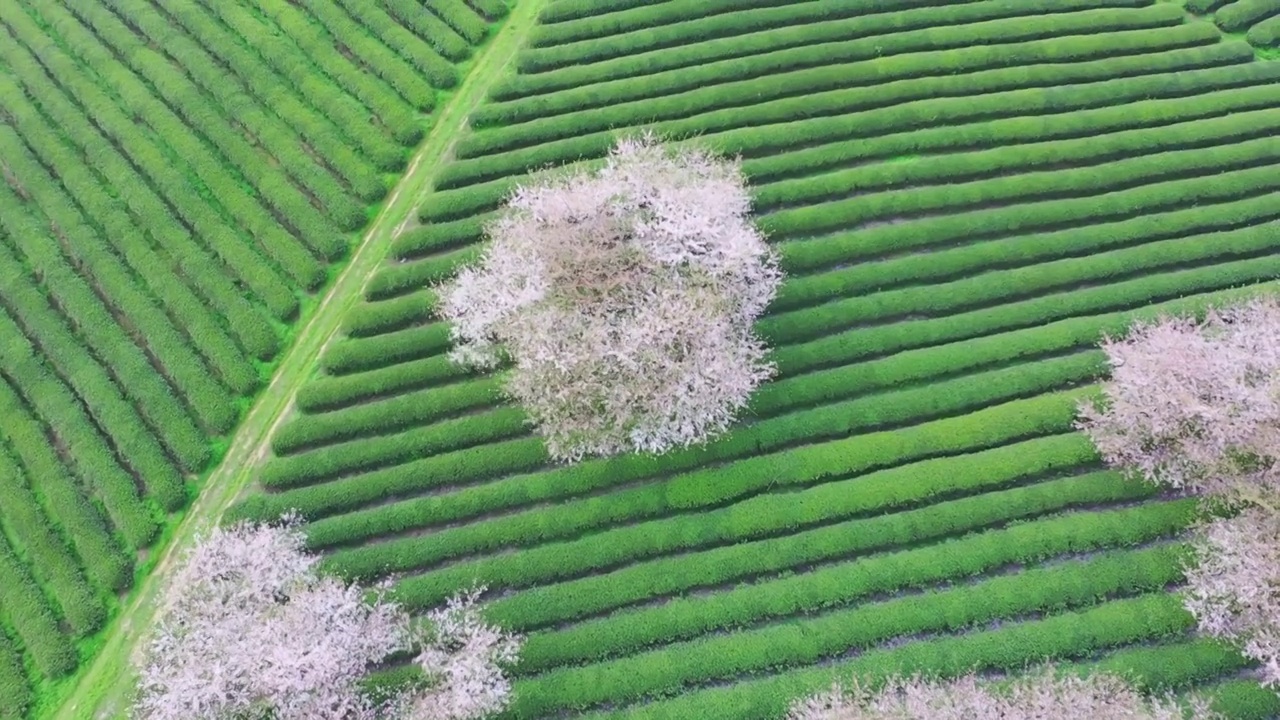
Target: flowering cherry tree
(250, 629)
(1040, 695)
(1195, 406)
(625, 300)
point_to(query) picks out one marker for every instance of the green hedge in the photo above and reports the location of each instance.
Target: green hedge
(609, 24)
(435, 237)
(793, 123)
(1138, 173)
(612, 544)
(432, 59)
(809, 639)
(288, 253)
(1204, 7)
(1246, 700)
(105, 564)
(316, 47)
(490, 9)
(895, 79)
(14, 687)
(436, 32)
(351, 355)
(991, 288)
(331, 393)
(23, 607)
(133, 441)
(1265, 34)
(951, 46)
(1242, 14)
(93, 459)
(562, 10)
(407, 276)
(1148, 618)
(376, 318)
(365, 454)
(465, 21)
(1023, 543)
(47, 555)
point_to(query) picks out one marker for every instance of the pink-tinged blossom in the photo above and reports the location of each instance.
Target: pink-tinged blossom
(625, 299)
(1040, 695)
(249, 628)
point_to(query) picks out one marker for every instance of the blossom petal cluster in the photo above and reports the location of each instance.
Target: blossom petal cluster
(1039, 695)
(625, 300)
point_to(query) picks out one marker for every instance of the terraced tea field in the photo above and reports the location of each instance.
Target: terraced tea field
(965, 194)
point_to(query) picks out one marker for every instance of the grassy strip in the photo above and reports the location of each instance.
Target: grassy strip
(35, 536)
(1019, 282)
(842, 584)
(805, 640)
(926, 46)
(801, 121)
(883, 82)
(1070, 634)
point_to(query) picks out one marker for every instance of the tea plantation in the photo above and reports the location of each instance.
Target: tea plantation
(966, 195)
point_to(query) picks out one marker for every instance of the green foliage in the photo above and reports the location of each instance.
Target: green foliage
(333, 392)
(462, 19)
(359, 354)
(23, 607)
(1266, 34)
(1240, 15)
(14, 687)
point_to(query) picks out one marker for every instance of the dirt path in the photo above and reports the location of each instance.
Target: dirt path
(103, 686)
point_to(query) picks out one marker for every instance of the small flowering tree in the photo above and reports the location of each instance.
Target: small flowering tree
(250, 629)
(1040, 695)
(1195, 406)
(625, 300)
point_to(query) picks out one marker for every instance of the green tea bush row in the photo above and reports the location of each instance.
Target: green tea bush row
(1241, 178)
(563, 10)
(864, 58)
(1169, 665)
(94, 461)
(81, 522)
(133, 440)
(257, 275)
(1029, 131)
(435, 237)
(1206, 218)
(286, 251)
(360, 354)
(376, 318)
(331, 393)
(490, 9)
(730, 35)
(206, 118)
(848, 87)
(309, 48)
(755, 451)
(1246, 700)
(1203, 7)
(1129, 146)
(464, 20)
(405, 410)
(408, 80)
(347, 495)
(427, 60)
(1241, 14)
(401, 276)
(450, 205)
(366, 454)
(658, 535)
(444, 39)
(23, 608)
(14, 687)
(619, 22)
(1023, 187)
(990, 288)
(51, 563)
(321, 134)
(270, 132)
(804, 641)
(147, 389)
(201, 323)
(775, 125)
(1025, 419)
(303, 75)
(869, 342)
(1072, 634)
(842, 584)
(1265, 34)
